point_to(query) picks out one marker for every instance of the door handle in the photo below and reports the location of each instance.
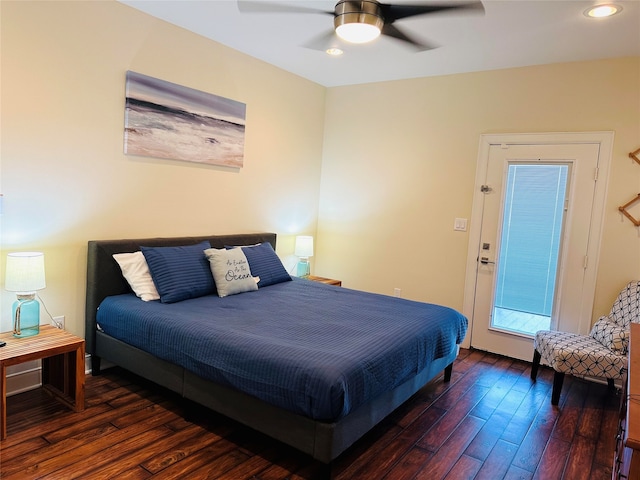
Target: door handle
(486, 261)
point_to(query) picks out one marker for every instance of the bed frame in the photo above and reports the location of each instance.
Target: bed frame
(323, 441)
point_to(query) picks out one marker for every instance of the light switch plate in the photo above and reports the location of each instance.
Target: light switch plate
(460, 224)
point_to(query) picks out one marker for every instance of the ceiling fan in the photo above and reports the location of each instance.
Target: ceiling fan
(361, 21)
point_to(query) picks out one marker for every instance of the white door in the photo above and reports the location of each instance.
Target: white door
(533, 241)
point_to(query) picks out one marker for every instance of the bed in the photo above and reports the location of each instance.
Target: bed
(309, 364)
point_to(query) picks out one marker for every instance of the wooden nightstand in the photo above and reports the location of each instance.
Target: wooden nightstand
(626, 461)
(62, 355)
(328, 281)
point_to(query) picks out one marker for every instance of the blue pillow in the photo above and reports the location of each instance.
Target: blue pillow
(264, 263)
(180, 273)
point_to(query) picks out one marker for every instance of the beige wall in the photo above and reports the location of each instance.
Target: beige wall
(64, 177)
(399, 165)
(383, 169)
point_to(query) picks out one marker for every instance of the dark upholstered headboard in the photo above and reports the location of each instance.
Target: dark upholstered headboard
(104, 276)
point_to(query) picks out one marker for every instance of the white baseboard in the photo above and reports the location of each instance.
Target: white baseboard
(23, 377)
(28, 376)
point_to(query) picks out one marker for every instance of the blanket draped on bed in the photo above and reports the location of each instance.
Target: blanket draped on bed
(314, 349)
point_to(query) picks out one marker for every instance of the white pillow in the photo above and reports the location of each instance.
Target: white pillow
(231, 271)
(136, 271)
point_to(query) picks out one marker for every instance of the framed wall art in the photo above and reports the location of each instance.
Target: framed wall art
(166, 120)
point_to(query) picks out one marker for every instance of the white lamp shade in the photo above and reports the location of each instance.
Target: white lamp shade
(304, 246)
(25, 272)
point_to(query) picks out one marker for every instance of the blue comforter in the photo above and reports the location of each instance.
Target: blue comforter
(314, 349)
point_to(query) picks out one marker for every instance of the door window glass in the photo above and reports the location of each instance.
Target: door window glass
(531, 232)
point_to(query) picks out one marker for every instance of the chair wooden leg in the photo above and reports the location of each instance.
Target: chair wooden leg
(611, 384)
(558, 378)
(535, 365)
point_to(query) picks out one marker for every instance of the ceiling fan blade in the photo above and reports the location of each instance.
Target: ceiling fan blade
(395, 12)
(392, 31)
(324, 41)
(250, 6)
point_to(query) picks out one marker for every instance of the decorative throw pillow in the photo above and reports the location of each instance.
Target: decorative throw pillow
(611, 335)
(230, 271)
(181, 272)
(265, 263)
(136, 272)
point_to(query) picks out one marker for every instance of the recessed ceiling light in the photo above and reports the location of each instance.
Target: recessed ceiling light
(334, 51)
(605, 10)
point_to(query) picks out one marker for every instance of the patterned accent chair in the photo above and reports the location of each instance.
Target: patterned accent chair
(602, 353)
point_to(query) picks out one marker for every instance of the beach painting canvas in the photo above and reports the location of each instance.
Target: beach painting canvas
(165, 120)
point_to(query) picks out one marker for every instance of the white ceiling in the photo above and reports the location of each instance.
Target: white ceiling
(511, 33)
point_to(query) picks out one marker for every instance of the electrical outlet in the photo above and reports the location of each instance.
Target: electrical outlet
(58, 322)
(397, 292)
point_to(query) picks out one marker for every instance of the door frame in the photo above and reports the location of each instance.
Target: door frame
(605, 141)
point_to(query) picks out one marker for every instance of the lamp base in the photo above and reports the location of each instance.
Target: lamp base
(303, 269)
(26, 316)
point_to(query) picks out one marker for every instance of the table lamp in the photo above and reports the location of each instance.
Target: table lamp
(25, 275)
(304, 250)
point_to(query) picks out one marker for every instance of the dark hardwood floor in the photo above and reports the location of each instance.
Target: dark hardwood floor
(489, 422)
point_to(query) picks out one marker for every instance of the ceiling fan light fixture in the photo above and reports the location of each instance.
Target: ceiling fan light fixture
(358, 32)
(358, 21)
